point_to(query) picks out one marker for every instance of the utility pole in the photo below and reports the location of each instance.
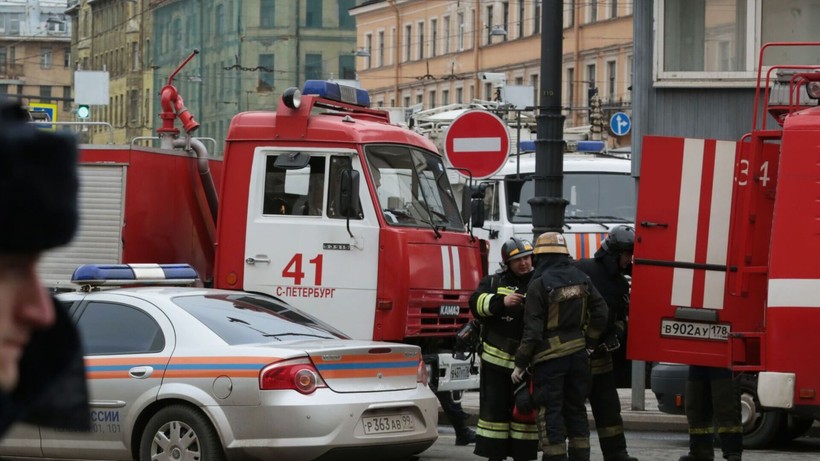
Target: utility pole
(548, 203)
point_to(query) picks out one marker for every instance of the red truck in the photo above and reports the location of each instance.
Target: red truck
(725, 271)
(321, 202)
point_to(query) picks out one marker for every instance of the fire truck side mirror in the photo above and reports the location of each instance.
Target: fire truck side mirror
(477, 213)
(349, 194)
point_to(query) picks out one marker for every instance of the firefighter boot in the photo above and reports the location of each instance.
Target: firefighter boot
(464, 435)
(691, 457)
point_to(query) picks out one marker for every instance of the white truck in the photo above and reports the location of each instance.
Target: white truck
(598, 185)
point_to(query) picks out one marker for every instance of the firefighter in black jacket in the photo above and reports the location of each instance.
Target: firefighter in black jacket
(607, 271)
(564, 315)
(499, 303)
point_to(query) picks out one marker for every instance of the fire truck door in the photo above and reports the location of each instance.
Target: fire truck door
(298, 246)
(682, 238)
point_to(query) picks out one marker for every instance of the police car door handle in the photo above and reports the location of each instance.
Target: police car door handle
(258, 259)
(141, 372)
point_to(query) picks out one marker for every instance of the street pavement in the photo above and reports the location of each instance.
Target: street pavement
(648, 419)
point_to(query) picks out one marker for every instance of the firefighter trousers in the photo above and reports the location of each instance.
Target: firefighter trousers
(499, 433)
(562, 385)
(606, 407)
(712, 402)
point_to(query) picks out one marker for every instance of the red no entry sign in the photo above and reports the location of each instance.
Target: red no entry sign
(477, 141)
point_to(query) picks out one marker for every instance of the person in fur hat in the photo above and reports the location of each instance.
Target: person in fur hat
(42, 377)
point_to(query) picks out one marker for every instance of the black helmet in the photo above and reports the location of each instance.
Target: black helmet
(620, 239)
(515, 248)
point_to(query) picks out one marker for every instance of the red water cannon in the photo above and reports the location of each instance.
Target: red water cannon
(173, 106)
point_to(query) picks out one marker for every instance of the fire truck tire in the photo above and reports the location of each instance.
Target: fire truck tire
(760, 428)
(794, 427)
(180, 432)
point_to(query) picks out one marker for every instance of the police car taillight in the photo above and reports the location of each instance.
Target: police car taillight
(298, 374)
(134, 274)
(422, 373)
(337, 92)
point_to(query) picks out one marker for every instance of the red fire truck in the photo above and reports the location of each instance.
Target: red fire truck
(728, 235)
(322, 203)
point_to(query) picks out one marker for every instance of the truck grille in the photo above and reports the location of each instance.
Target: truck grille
(423, 312)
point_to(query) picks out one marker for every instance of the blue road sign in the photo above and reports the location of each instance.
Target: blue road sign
(620, 124)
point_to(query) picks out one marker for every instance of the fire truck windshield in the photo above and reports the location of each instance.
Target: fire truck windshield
(412, 187)
(592, 197)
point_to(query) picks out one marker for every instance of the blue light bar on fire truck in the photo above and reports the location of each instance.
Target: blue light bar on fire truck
(337, 92)
(134, 274)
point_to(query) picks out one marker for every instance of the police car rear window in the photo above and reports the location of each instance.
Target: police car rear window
(246, 319)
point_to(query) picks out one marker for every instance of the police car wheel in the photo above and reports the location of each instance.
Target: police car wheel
(178, 432)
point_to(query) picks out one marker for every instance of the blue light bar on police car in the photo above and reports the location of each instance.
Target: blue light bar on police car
(337, 92)
(134, 274)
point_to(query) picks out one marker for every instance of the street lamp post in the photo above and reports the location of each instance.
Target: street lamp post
(548, 203)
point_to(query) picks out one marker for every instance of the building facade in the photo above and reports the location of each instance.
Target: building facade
(114, 36)
(250, 52)
(696, 62)
(433, 52)
(35, 55)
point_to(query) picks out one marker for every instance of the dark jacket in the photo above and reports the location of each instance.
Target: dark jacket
(52, 388)
(563, 313)
(500, 325)
(606, 276)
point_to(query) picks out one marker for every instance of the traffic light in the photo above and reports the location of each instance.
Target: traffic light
(83, 111)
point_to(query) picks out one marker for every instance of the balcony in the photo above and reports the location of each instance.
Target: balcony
(11, 71)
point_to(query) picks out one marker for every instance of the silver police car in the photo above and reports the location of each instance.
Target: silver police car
(180, 373)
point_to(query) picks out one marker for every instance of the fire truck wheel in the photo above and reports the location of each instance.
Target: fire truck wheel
(793, 427)
(760, 428)
(180, 432)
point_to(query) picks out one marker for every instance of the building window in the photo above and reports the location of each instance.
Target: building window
(459, 95)
(313, 15)
(420, 98)
(381, 49)
(431, 99)
(570, 87)
(534, 84)
(3, 59)
(489, 24)
(368, 46)
(445, 97)
(219, 19)
(266, 68)
(313, 67)
(569, 13)
(408, 29)
(347, 66)
(66, 57)
(45, 93)
(407, 101)
(536, 17)
(488, 91)
(346, 21)
(135, 56)
(45, 57)
(133, 107)
(267, 13)
(592, 11)
(613, 8)
(67, 98)
(446, 31)
(610, 80)
(591, 72)
(433, 37)
(421, 40)
(505, 18)
(461, 31)
(521, 13)
(718, 40)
